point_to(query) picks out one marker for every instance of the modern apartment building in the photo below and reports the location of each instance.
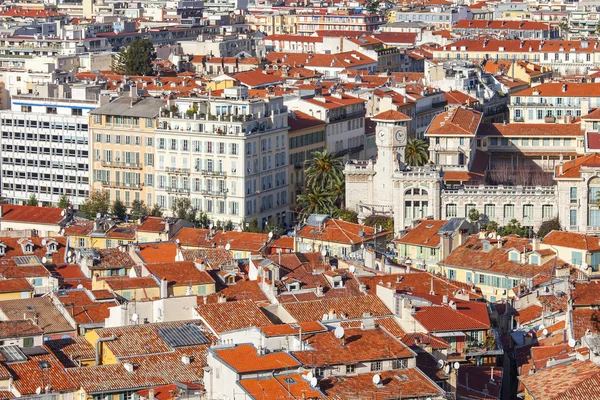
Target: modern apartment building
(228, 154)
(45, 149)
(122, 147)
(342, 20)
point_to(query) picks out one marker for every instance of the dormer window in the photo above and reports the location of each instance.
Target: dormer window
(230, 280)
(2, 249)
(513, 256)
(28, 248)
(534, 259)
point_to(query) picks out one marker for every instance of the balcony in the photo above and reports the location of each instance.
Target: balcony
(123, 185)
(214, 193)
(172, 170)
(344, 116)
(212, 173)
(119, 164)
(175, 190)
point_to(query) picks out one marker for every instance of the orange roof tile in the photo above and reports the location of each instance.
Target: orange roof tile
(572, 240)
(529, 314)
(445, 319)
(350, 307)
(424, 234)
(15, 285)
(293, 329)
(180, 273)
(338, 231)
(549, 383)
(298, 121)
(459, 121)
(152, 224)
(158, 252)
(391, 115)
(244, 358)
(30, 214)
(517, 129)
(233, 315)
(280, 387)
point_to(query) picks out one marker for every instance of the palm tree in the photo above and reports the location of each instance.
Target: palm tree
(416, 152)
(324, 170)
(316, 202)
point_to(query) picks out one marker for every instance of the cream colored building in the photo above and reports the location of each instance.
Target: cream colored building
(122, 146)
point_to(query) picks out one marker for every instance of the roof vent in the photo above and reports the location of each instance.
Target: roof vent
(128, 366)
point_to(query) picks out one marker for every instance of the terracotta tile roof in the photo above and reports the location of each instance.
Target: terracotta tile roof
(112, 259)
(79, 228)
(459, 121)
(404, 384)
(553, 89)
(587, 389)
(158, 252)
(586, 293)
(446, 319)
(233, 315)
(124, 283)
(28, 375)
(139, 340)
(351, 307)
(391, 115)
(359, 346)
(592, 116)
(293, 329)
(396, 37)
(551, 382)
(417, 283)
(572, 169)
(13, 271)
(460, 98)
(240, 241)
(282, 242)
(529, 314)
(331, 102)
(496, 260)
(572, 240)
(180, 273)
(280, 387)
(541, 354)
(244, 358)
(424, 234)
(338, 231)
(15, 249)
(69, 351)
(212, 258)
(5, 394)
(517, 46)
(479, 380)
(294, 38)
(298, 121)
(511, 130)
(82, 308)
(13, 329)
(15, 285)
(29, 13)
(417, 339)
(30, 214)
(500, 25)
(165, 392)
(152, 224)
(50, 320)
(593, 140)
(584, 320)
(257, 77)
(67, 271)
(123, 231)
(243, 289)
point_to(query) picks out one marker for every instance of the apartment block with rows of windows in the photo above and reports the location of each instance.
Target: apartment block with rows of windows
(228, 154)
(122, 147)
(45, 150)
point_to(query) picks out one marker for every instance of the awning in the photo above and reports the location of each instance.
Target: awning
(449, 334)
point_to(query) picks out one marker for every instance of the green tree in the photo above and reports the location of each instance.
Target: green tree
(202, 220)
(253, 226)
(473, 215)
(228, 225)
(513, 227)
(316, 201)
(96, 203)
(549, 225)
(32, 201)
(64, 201)
(119, 210)
(491, 226)
(345, 214)
(182, 208)
(416, 152)
(273, 226)
(135, 59)
(156, 211)
(323, 171)
(380, 221)
(373, 6)
(139, 210)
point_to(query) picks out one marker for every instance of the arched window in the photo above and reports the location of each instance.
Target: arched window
(593, 197)
(416, 204)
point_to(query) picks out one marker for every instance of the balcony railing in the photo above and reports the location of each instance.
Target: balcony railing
(172, 170)
(122, 185)
(214, 193)
(120, 164)
(212, 173)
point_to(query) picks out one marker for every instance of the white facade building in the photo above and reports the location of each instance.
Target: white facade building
(227, 154)
(45, 150)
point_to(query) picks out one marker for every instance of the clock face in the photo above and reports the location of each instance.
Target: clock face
(399, 136)
(381, 135)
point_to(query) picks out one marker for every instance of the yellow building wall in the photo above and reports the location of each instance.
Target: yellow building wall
(486, 290)
(106, 356)
(220, 85)
(15, 295)
(151, 237)
(179, 291)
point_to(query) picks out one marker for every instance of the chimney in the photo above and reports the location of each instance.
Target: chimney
(185, 359)
(151, 394)
(492, 376)
(164, 285)
(319, 291)
(564, 87)
(445, 300)
(535, 243)
(560, 169)
(499, 244)
(128, 366)
(1, 211)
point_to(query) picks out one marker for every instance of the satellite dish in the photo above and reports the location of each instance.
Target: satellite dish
(545, 332)
(270, 235)
(376, 379)
(456, 365)
(309, 376)
(542, 327)
(80, 286)
(352, 269)
(324, 253)
(313, 382)
(408, 262)
(339, 332)
(227, 246)
(43, 242)
(69, 253)
(441, 364)
(69, 260)
(210, 226)
(498, 237)
(572, 342)
(177, 241)
(38, 390)
(362, 245)
(491, 235)
(62, 213)
(447, 369)
(134, 317)
(309, 247)
(44, 259)
(585, 266)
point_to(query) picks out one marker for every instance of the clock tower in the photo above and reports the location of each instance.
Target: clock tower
(391, 131)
